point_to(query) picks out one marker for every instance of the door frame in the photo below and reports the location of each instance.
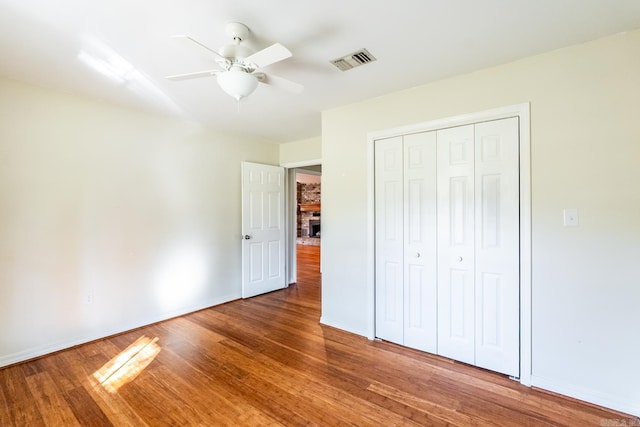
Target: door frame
(522, 111)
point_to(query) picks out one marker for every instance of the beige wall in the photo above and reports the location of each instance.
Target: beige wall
(585, 148)
(301, 152)
(138, 213)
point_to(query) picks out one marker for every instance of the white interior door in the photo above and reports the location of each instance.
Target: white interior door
(497, 243)
(456, 293)
(420, 262)
(263, 229)
(389, 304)
(406, 303)
(478, 245)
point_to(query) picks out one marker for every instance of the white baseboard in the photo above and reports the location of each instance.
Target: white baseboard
(342, 326)
(617, 403)
(44, 349)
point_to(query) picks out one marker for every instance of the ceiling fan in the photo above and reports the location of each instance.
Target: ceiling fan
(238, 74)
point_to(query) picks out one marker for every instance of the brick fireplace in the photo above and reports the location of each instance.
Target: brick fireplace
(308, 196)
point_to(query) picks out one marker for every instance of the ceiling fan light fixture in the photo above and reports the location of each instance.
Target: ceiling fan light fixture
(237, 83)
(238, 64)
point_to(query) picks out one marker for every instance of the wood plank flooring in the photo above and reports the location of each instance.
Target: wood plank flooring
(268, 361)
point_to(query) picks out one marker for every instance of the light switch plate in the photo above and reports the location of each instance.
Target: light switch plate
(571, 217)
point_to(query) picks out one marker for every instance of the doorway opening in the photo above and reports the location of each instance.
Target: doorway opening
(308, 208)
(308, 221)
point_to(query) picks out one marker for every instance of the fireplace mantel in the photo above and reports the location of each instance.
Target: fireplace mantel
(309, 207)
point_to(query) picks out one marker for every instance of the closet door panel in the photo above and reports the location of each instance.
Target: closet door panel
(455, 247)
(389, 196)
(420, 266)
(497, 246)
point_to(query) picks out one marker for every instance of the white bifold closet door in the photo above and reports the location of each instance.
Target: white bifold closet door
(478, 245)
(406, 240)
(447, 243)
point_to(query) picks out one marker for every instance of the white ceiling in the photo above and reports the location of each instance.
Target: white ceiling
(120, 50)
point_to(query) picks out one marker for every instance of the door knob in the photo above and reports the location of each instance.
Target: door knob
(418, 255)
(246, 237)
(459, 259)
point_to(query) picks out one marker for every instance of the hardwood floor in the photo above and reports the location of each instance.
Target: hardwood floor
(268, 361)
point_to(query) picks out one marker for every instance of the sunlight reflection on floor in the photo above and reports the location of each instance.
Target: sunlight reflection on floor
(127, 365)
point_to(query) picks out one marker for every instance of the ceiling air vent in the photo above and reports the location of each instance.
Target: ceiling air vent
(353, 60)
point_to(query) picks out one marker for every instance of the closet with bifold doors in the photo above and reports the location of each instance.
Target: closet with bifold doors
(447, 261)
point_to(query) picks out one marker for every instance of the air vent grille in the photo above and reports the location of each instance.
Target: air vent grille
(353, 60)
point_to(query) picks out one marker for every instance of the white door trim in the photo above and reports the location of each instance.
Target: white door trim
(290, 218)
(522, 112)
(301, 164)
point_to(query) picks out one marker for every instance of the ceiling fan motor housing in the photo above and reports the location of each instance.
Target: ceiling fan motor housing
(235, 51)
(237, 31)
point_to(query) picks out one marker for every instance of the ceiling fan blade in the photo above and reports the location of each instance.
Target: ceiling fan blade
(191, 39)
(195, 75)
(279, 82)
(267, 56)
